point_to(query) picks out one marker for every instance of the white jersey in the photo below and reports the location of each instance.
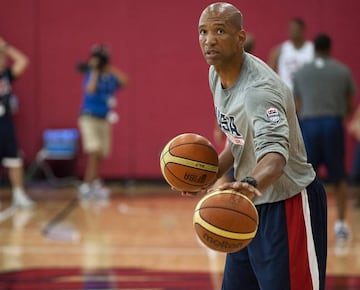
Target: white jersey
(292, 58)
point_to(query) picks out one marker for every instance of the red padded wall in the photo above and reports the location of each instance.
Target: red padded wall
(156, 43)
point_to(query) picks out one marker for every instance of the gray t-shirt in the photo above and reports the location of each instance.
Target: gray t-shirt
(323, 87)
(258, 116)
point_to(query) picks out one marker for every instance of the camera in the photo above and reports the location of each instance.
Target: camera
(101, 53)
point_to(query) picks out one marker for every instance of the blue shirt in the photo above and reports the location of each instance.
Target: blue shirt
(96, 103)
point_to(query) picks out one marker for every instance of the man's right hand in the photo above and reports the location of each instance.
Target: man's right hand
(242, 187)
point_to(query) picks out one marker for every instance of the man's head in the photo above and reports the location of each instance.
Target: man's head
(322, 44)
(100, 55)
(297, 30)
(221, 35)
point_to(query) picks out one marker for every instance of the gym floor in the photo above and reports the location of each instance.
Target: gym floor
(140, 238)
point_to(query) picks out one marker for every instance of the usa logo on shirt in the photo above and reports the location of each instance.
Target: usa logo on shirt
(229, 127)
(273, 115)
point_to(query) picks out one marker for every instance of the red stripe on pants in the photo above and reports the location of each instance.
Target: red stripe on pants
(300, 277)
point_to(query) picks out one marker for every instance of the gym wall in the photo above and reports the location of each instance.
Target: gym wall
(156, 44)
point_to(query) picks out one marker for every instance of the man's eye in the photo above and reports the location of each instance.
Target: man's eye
(220, 31)
(202, 32)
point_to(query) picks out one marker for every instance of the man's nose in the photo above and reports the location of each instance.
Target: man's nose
(210, 39)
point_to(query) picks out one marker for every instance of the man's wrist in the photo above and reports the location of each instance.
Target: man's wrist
(250, 180)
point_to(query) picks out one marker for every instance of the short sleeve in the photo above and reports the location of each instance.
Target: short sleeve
(351, 87)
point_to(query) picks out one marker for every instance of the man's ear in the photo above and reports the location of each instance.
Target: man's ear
(241, 37)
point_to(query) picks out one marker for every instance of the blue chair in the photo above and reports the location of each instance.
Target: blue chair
(58, 144)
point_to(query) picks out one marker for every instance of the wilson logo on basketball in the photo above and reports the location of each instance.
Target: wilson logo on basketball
(195, 178)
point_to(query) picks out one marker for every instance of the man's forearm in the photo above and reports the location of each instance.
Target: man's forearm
(20, 60)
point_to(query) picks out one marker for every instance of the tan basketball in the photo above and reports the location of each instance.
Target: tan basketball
(189, 162)
(225, 221)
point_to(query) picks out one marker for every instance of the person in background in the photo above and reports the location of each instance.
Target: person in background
(323, 91)
(293, 53)
(9, 151)
(354, 130)
(101, 81)
(249, 44)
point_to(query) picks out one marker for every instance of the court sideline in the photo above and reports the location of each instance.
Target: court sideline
(141, 238)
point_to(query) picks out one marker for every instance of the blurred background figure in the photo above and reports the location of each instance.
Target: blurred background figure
(101, 81)
(323, 92)
(293, 53)
(9, 151)
(354, 130)
(249, 44)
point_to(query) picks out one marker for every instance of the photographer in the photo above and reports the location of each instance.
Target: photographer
(101, 81)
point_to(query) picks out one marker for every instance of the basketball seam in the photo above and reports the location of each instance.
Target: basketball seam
(219, 235)
(164, 166)
(228, 209)
(249, 235)
(226, 191)
(226, 230)
(189, 166)
(181, 180)
(169, 151)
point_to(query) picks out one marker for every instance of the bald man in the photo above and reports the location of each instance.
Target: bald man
(256, 111)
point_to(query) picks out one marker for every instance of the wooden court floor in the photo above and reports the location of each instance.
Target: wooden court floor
(143, 230)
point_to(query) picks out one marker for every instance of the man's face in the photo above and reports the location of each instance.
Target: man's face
(94, 62)
(219, 40)
(296, 32)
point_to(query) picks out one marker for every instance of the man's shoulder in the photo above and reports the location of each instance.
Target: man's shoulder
(339, 65)
(213, 78)
(212, 73)
(305, 69)
(286, 42)
(308, 43)
(288, 45)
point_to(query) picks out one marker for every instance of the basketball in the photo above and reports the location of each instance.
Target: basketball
(225, 221)
(189, 162)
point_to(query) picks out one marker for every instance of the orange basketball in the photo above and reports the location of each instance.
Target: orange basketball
(189, 162)
(225, 221)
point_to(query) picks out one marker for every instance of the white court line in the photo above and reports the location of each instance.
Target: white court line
(124, 208)
(101, 249)
(7, 213)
